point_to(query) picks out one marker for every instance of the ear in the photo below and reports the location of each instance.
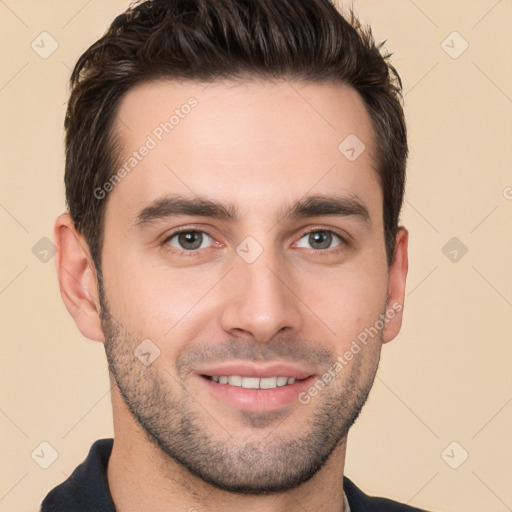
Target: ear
(396, 286)
(77, 278)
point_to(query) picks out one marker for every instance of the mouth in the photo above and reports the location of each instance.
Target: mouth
(246, 387)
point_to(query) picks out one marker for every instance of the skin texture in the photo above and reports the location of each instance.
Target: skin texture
(261, 146)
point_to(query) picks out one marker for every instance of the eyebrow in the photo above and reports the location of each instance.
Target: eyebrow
(327, 205)
(313, 206)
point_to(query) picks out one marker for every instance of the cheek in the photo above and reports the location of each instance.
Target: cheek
(154, 300)
(350, 300)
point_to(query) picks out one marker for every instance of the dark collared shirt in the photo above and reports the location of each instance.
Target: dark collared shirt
(86, 490)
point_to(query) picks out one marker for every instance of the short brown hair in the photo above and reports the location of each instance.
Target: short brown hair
(206, 40)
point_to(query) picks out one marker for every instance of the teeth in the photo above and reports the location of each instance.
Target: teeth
(268, 382)
(254, 382)
(250, 382)
(235, 380)
(282, 381)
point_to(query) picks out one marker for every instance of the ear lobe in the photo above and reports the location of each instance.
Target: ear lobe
(77, 278)
(396, 286)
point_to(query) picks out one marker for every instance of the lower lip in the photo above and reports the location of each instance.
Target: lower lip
(257, 400)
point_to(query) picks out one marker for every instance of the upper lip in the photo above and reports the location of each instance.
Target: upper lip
(255, 370)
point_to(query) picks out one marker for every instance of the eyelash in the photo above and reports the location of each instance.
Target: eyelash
(316, 252)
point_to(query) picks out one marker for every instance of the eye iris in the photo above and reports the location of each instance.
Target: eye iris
(190, 237)
(324, 238)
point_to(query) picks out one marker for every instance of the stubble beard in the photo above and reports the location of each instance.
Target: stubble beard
(243, 461)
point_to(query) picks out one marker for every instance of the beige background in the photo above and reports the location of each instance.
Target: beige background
(445, 378)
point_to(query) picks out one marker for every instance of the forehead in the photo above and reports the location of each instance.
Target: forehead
(263, 143)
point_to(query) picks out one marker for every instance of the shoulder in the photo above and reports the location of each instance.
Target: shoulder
(86, 489)
(361, 502)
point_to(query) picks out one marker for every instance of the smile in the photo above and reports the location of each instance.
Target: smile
(253, 382)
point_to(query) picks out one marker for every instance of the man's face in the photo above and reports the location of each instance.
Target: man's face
(260, 294)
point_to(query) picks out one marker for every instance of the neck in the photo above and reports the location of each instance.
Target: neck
(142, 477)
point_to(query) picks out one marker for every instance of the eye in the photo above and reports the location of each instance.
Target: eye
(189, 240)
(322, 239)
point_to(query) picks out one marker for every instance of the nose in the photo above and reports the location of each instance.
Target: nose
(259, 300)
